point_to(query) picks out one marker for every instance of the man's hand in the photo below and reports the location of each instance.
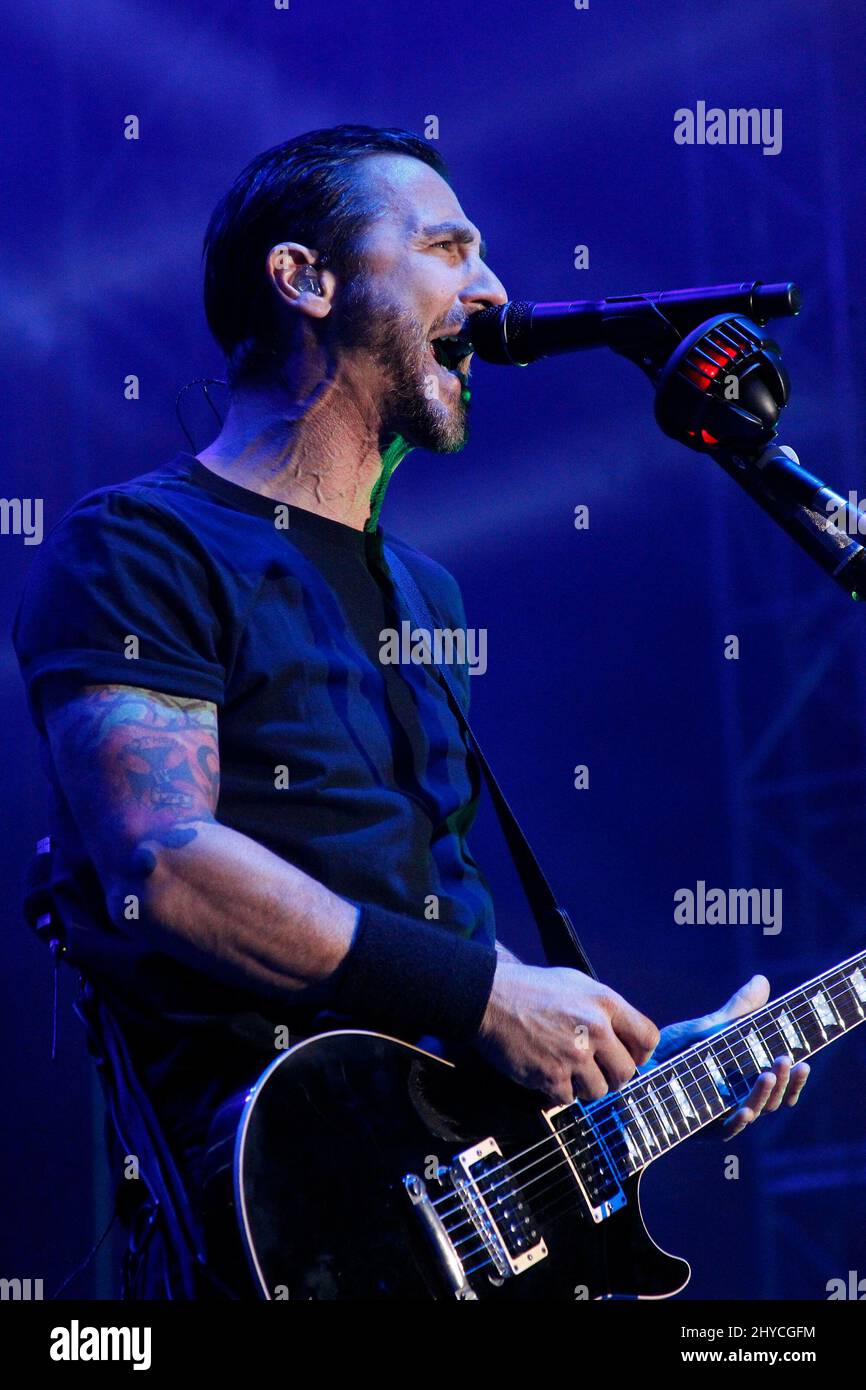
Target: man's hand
(782, 1084)
(558, 1031)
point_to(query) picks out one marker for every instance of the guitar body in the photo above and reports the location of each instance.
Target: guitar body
(325, 1140)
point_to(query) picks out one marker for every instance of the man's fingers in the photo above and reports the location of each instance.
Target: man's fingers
(738, 1122)
(635, 1031)
(782, 1069)
(782, 1085)
(799, 1077)
(747, 1113)
(589, 1083)
(616, 1063)
(761, 1093)
(748, 997)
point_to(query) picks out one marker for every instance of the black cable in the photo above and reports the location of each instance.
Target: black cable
(204, 382)
(86, 1261)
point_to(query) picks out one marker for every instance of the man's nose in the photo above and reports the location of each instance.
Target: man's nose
(486, 289)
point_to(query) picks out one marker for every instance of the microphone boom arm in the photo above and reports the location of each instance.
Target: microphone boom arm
(806, 509)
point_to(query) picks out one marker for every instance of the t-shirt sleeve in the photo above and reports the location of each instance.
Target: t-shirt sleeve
(119, 592)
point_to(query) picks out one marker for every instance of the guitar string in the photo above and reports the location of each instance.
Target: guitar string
(619, 1165)
(565, 1198)
(594, 1130)
(596, 1127)
(565, 1203)
(699, 1072)
(556, 1199)
(657, 1075)
(569, 1192)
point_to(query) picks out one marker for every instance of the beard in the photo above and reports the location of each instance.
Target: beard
(412, 404)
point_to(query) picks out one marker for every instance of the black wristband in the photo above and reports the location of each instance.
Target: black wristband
(412, 979)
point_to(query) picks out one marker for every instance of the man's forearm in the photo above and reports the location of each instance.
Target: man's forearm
(141, 769)
(504, 954)
(226, 904)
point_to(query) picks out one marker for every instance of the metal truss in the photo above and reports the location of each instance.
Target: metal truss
(795, 748)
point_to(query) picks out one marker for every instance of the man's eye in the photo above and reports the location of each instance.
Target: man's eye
(443, 243)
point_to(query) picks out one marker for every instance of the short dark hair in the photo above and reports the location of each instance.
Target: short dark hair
(303, 190)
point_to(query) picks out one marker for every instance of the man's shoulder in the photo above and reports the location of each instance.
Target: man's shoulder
(121, 539)
(151, 494)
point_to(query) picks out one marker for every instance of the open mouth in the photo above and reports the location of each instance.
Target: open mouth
(453, 353)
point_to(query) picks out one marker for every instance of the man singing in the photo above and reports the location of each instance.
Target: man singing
(268, 819)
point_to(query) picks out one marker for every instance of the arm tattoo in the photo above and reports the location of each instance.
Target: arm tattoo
(139, 762)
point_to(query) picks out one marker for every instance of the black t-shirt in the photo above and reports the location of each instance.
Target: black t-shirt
(354, 770)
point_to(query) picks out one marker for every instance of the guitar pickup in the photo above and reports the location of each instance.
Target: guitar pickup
(488, 1190)
(589, 1159)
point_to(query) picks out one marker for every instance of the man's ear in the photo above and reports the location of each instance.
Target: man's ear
(295, 277)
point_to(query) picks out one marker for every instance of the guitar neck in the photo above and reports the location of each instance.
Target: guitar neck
(681, 1096)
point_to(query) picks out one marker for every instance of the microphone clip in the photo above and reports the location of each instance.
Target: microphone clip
(723, 387)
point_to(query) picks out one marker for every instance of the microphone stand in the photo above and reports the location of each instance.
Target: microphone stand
(720, 391)
(806, 509)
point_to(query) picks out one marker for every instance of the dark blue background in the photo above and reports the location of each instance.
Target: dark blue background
(605, 646)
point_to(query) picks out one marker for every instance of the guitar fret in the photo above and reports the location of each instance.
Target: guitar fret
(732, 1064)
(790, 1032)
(700, 1089)
(842, 994)
(648, 1139)
(682, 1098)
(671, 1108)
(688, 1092)
(847, 1001)
(755, 1044)
(710, 1087)
(621, 1134)
(628, 1134)
(703, 1091)
(652, 1119)
(659, 1108)
(715, 1071)
(774, 1039)
(823, 1013)
(778, 1044)
(808, 1023)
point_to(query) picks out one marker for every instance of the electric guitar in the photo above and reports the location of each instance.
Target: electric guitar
(366, 1168)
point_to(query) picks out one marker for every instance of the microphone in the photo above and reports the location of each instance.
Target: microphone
(518, 333)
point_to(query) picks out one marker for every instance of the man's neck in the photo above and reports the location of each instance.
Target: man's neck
(329, 461)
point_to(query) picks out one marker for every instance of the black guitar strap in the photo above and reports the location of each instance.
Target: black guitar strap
(559, 940)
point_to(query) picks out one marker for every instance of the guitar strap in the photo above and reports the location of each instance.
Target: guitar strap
(559, 940)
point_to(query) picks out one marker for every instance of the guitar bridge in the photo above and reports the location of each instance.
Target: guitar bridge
(486, 1189)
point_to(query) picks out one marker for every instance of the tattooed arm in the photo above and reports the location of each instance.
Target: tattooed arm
(140, 771)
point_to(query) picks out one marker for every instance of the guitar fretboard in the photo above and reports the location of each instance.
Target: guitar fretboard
(626, 1130)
